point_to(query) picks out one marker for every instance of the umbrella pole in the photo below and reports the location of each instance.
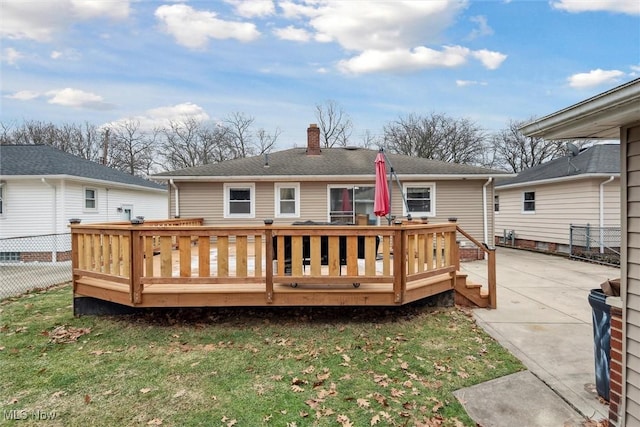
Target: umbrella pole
(393, 173)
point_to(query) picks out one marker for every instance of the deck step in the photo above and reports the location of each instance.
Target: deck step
(470, 294)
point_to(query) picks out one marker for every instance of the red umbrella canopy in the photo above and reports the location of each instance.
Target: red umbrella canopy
(381, 203)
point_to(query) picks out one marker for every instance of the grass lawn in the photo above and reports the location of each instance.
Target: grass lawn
(333, 366)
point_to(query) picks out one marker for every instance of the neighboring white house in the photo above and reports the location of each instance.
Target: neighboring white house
(42, 188)
(614, 114)
(536, 209)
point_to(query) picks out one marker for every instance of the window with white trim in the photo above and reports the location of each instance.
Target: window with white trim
(529, 201)
(239, 200)
(287, 201)
(421, 199)
(90, 199)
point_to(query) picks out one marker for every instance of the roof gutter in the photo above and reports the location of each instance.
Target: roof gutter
(556, 180)
(75, 178)
(177, 197)
(328, 178)
(563, 124)
(602, 184)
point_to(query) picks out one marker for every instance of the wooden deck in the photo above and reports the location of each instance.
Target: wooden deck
(180, 263)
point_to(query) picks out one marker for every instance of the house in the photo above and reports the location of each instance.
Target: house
(42, 188)
(331, 185)
(614, 114)
(537, 208)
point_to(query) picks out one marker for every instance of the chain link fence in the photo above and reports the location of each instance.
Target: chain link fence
(597, 244)
(34, 262)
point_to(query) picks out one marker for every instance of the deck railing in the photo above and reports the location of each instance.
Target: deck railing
(169, 256)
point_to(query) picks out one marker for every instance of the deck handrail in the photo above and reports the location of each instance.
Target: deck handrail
(157, 253)
(491, 266)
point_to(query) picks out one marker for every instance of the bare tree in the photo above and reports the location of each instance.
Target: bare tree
(130, 148)
(514, 151)
(190, 143)
(370, 140)
(239, 129)
(335, 124)
(438, 137)
(266, 141)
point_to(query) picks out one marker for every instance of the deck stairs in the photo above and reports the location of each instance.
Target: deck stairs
(470, 294)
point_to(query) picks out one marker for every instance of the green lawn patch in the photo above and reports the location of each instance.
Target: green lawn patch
(320, 366)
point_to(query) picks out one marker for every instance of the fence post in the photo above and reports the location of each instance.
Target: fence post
(268, 236)
(491, 278)
(570, 240)
(399, 262)
(136, 268)
(588, 237)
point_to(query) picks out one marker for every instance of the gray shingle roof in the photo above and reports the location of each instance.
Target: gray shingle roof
(331, 162)
(598, 159)
(43, 160)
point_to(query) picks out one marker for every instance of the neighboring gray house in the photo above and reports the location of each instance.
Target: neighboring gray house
(41, 188)
(614, 114)
(535, 209)
(331, 184)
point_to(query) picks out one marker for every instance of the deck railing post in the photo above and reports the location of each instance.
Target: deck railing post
(268, 237)
(136, 267)
(491, 278)
(75, 256)
(399, 262)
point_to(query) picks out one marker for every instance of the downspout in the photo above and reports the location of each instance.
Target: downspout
(485, 214)
(54, 252)
(177, 197)
(602, 184)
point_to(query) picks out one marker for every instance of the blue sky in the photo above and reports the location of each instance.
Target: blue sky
(102, 61)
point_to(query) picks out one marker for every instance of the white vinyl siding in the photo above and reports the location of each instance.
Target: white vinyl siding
(630, 144)
(558, 205)
(36, 208)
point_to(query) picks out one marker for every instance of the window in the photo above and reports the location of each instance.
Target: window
(239, 200)
(90, 199)
(420, 199)
(346, 202)
(287, 200)
(9, 256)
(529, 201)
(496, 203)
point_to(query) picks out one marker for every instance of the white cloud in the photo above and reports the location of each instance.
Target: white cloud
(41, 20)
(631, 7)
(483, 28)
(383, 25)
(193, 29)
(77, 98)
(491, 60)
(162, 116)
(594, 78)
(253, 8)
(292, 33)
(24, 95)
(463, 83)
(11, 56)
(416, 59)
(635, 70)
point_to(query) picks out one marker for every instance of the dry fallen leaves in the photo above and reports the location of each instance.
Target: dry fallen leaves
(155, 422)
(64, 334)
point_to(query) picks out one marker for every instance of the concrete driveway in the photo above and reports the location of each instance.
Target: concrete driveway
(544, 319)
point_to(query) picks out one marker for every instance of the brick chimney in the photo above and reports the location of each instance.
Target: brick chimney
(313, 140)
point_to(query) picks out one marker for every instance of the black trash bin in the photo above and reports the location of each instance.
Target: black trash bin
(601, 315)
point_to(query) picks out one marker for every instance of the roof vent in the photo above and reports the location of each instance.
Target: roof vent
(572, 149)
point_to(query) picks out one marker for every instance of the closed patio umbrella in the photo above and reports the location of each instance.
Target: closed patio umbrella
(381, 202)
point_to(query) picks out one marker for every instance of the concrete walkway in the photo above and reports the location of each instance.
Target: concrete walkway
(544, 319)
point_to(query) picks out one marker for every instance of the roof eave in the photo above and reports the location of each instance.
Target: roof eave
(556, 180)
(327, 178)
(84, 179)
(585, 120)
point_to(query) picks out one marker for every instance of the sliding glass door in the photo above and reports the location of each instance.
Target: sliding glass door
(346, 203)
